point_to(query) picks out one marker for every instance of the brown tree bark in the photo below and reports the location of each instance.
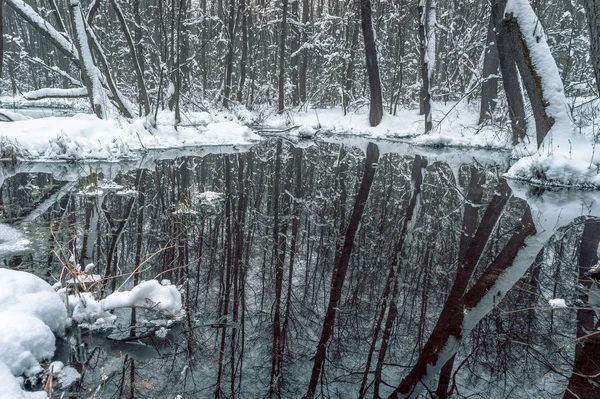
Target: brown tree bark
(510, 78)
(489, 86)
(449, 325)
(585, 377)
(341, 268)
(592, 10)
(376, 109)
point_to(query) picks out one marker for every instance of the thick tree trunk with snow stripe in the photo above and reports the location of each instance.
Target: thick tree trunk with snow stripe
(89, 72)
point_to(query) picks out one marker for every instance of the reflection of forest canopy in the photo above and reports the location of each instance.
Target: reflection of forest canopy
(395, 264)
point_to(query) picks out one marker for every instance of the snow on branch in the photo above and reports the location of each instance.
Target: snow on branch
(44, 27)
(94, 314)
(56, 93)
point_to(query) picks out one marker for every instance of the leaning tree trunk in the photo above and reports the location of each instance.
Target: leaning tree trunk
(376, 110)
(341, 266)
(89, 72)
(536, 65)
(592, 10)
(510, 78)
(45, 29)
(134, 57)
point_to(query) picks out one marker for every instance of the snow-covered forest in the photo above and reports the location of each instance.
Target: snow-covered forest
(299, 199)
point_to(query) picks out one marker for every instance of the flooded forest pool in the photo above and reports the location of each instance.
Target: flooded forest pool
(449, 280)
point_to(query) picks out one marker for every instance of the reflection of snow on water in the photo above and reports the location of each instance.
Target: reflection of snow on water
(12, 240)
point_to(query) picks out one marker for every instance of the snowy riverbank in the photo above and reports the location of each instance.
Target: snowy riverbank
(84, 137)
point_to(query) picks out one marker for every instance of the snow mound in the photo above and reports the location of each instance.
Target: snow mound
(94, 314)
(24, 341)
(11, 389)
(30, 313)
(85, 137)
(556, 170)
(66, 376)
(30, 295)
(149, 294)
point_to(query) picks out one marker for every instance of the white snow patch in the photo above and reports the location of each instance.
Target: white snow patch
(94, 314)
(557, 303)
(85, 137)
(11, 389)
(66, 376)
(12, 240)
(31, 312)
(28, 294)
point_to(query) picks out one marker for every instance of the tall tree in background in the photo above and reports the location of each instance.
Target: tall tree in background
(376, 109)
(427, 40)
(302, 73)
(281, 81)
(89, 72)
(592, 10)
(1, 36)
(489, 85)
(229, 56)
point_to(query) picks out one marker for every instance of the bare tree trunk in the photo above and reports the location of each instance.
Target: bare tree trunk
(89, 73)
(376, 109)
(510, 77)
(229, 56)
(426, 14)
(349, 78)
(295, 46)
(282, 41)
(489, 86)
(342, 267)
(244, 59)
(302, 73)
(134, 57)
(592, 10)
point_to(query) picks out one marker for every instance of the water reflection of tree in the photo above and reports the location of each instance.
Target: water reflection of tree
(256, 271)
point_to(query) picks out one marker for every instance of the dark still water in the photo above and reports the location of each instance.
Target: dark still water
(330, 271)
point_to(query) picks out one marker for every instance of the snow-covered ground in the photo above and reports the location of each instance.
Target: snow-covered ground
(567, 158)
(32, 313)
(85, 137)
